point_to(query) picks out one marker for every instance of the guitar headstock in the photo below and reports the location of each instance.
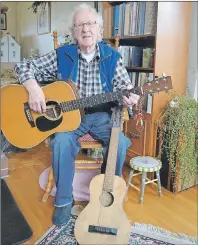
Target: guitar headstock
(163, 83)
(117, 116)
(159, 84)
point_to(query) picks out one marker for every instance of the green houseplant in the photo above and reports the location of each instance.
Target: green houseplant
(178, 127)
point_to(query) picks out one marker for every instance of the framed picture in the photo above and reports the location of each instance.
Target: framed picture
(3, 21)
(44, 19)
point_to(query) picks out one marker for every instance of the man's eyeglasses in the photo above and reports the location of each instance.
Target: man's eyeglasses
(89, 24)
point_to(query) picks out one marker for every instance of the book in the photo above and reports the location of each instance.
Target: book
(147, 57)
(150, 18)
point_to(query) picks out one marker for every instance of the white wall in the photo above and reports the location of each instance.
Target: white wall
(27, 25)
(11, 19)
(192, 75)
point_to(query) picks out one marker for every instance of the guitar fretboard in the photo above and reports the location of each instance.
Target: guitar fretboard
(111, 160)
(95, 100)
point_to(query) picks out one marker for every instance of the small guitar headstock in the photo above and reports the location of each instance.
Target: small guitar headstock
(117, 116)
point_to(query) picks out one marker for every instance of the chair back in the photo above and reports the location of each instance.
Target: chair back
(55, 39)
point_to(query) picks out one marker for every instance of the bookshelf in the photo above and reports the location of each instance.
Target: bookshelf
(169, 39)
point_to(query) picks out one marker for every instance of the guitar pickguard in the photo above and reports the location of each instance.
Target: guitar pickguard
(43, 124)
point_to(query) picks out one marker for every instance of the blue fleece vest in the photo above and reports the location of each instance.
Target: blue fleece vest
(67, 58)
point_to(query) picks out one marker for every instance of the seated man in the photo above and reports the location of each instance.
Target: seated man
(95, 68)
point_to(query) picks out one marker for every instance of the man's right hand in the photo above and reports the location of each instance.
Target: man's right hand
(36, 96)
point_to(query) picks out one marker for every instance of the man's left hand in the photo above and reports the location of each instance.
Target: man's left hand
(131, 100)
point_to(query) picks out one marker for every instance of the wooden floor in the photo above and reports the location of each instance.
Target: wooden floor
(176, 213)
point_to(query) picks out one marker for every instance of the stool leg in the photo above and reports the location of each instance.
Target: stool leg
(142, 187)
(158, 183)
(130, 177)
(128, 184)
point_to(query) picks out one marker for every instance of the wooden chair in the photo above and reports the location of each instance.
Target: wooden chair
(82, 162)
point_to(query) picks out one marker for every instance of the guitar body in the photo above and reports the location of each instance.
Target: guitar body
(24, 128)
(100, 214)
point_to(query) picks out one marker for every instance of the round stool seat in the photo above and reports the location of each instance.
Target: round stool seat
(145, 164)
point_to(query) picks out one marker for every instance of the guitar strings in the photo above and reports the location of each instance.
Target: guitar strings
(101, 206)
(103, 201)
(101, 209)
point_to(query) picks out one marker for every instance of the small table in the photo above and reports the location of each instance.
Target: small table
(145, 164)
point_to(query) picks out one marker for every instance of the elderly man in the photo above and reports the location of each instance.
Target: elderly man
(95, 68)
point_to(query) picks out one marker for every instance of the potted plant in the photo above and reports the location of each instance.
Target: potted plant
(178, 149)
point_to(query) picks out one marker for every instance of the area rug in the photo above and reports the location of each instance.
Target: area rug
(141, 234)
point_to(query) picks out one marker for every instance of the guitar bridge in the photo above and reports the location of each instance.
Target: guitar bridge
(102, 230)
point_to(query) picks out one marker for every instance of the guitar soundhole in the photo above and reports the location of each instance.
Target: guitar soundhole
(106, 199)
(53, 110)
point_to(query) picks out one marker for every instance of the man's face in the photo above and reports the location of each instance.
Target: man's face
(85, 28)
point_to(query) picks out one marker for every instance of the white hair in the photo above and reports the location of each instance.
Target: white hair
(99, 18)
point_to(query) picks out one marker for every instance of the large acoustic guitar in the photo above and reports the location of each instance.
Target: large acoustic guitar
(25, 128)
(103, 221)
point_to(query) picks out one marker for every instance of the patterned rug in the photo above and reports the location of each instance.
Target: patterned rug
(141, 234)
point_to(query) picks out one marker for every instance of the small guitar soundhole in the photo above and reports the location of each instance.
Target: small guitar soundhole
(106, 199)
(53, 109)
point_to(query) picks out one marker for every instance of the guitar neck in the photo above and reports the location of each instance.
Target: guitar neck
(111, 160)
(95, 100)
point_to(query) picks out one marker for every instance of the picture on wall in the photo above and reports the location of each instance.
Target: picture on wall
(3, 21)
(44, 19)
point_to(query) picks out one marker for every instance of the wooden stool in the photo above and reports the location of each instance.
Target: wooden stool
(145, 164)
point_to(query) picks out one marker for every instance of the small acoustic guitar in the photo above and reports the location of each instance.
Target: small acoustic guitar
(103, 221)
(25, 128)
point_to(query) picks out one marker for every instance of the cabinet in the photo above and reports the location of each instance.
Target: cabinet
(169, 39)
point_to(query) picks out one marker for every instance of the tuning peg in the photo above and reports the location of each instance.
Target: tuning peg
(158, 90)
(164, 76)
(156, 79)
(166, 89)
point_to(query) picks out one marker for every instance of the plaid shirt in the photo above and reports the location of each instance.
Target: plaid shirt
(45, 68)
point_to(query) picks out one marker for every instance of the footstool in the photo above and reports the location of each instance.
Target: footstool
(144, 164)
